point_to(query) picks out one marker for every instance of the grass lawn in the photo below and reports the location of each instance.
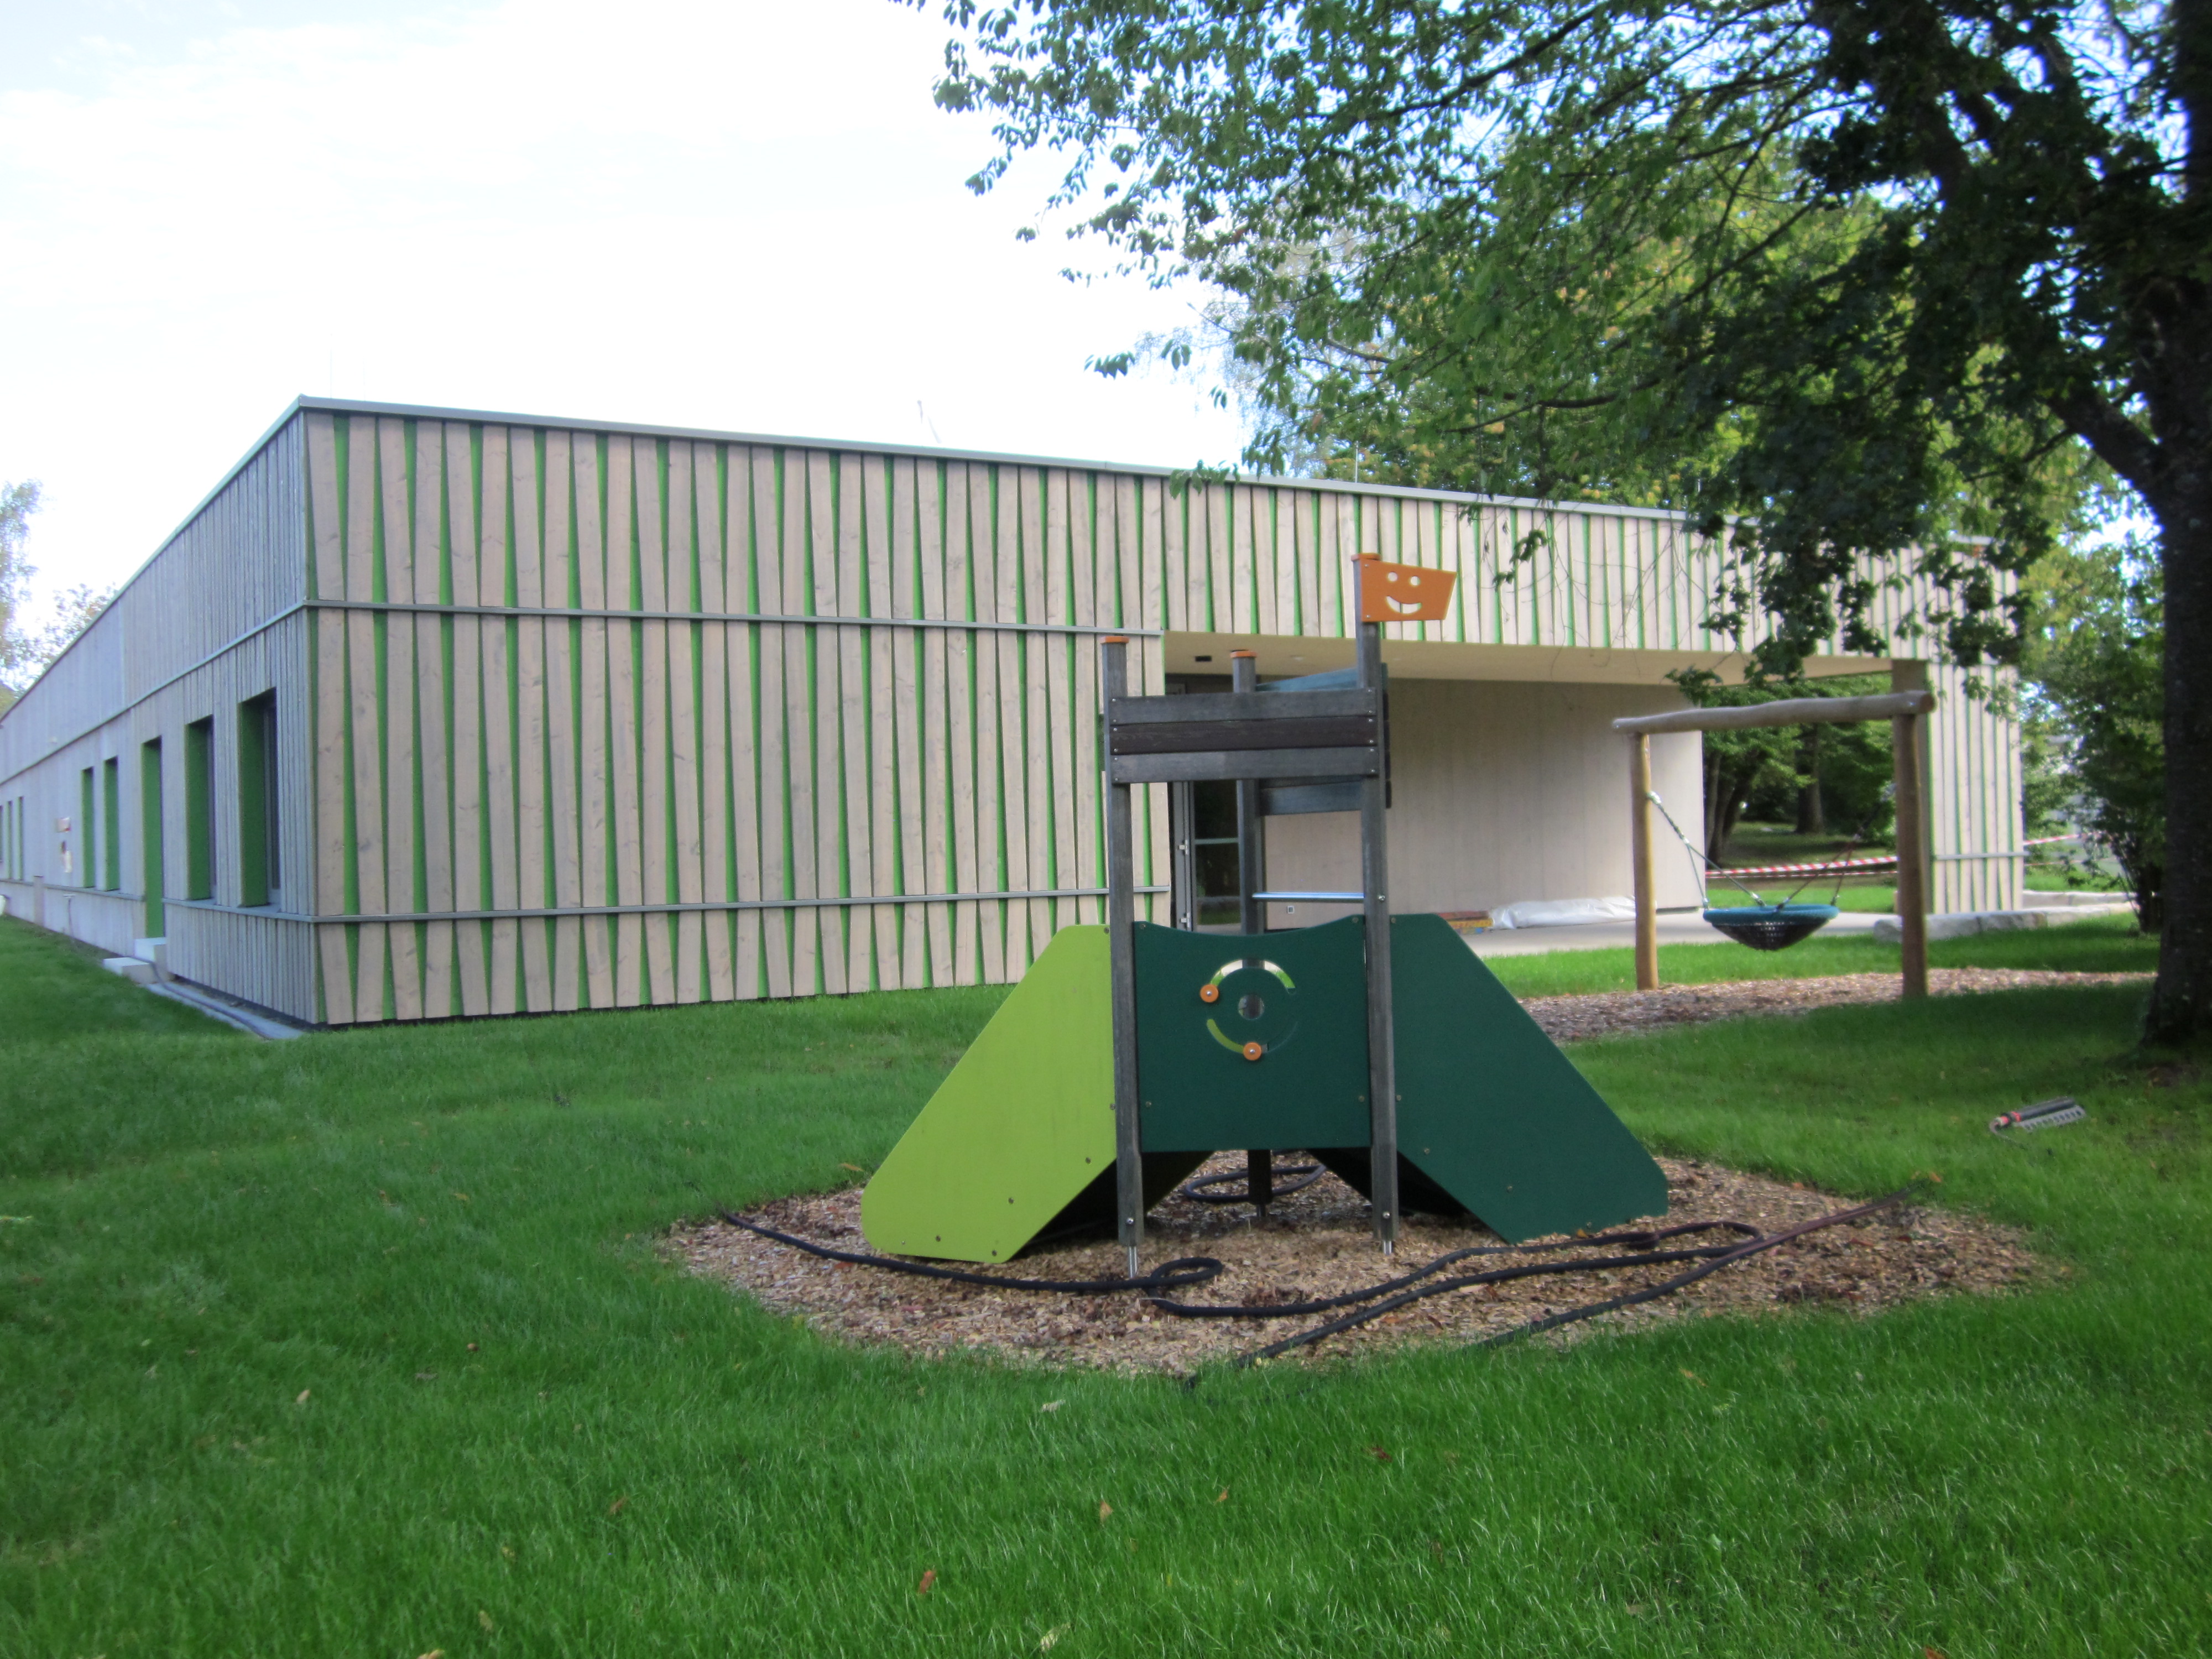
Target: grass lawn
(1757, 843)
(358, 1344)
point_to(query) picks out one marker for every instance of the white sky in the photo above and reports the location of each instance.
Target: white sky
(714, 213)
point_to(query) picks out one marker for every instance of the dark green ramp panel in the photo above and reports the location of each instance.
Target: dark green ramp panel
(1295, 1003)
(1489, 1108)
(1018, 1143)
(1019, 1129)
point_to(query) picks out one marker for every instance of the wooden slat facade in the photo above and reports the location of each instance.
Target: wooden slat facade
(578, 717)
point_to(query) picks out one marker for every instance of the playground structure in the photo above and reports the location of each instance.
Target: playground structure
(1776, 927)
(1129, 1055)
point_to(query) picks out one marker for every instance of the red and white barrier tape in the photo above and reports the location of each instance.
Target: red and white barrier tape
(1856, 864)
(1812, 869)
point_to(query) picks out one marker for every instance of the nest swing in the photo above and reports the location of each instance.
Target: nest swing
(1762, 926)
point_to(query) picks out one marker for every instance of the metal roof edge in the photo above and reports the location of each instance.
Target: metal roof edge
(710, 435)
(161, 547)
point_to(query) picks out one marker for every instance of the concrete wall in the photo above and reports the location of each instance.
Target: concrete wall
(1501, 791)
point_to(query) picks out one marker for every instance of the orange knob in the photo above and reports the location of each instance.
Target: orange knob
(1209, 994)
(1254, 1051)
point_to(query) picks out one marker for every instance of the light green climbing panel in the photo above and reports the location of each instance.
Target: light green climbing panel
(1023, 1123)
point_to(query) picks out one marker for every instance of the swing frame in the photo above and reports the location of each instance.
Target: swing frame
(1905, 711)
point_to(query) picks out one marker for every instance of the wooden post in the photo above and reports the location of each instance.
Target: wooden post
(1244, 676)
(1375, 884)
(1911, 852)
(1121, 961)
(1647, 901)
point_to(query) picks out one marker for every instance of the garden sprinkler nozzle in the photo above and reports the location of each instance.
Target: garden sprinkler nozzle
(2044, 1115)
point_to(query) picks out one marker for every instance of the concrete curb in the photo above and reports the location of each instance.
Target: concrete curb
(247, 1018)
(1964, 924)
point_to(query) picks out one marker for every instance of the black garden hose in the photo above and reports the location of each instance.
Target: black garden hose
(1392, 1293)
(1717, 1257)
(1168, 1276)
(1306, 1175)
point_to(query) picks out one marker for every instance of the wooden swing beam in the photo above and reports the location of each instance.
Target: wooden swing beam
(1903, 710)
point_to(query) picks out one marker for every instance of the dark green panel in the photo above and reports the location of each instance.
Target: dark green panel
(87, 852)
(199, 810)
(149, 830)
(253, 801)
(1308, 1088)
(111, 823)
(1489, 1107)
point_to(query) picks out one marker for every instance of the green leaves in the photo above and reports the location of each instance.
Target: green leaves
(2095, 665)
(1852, 282)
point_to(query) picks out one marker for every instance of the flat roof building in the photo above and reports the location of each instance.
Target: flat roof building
(427, 713)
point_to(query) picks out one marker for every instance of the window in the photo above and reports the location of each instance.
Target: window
(149, 834)
(258, 872)
(111, 824)
(1215, 862)
(84, 846)
(199, 810)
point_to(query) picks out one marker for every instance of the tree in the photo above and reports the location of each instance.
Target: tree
(1764, 765)
(2093, 663)
(1848, 281)
(17, 502)
(25, 650)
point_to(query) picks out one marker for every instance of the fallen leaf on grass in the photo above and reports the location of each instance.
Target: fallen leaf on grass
(302, 1399)
(1105, 1508)
(1694, 1377)
(854, 1168)
(1052, 1405)
(484, 1618)
(1378, 1454)
(425, 1376)
(436, 1653)
(464, 1197)
(618, 1505)
(1931, 1653)
(1224, 1498)
(928, 1578)
(1047, 1641)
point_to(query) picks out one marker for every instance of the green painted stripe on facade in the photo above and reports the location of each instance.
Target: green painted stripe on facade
(84, 840)
(111, 824)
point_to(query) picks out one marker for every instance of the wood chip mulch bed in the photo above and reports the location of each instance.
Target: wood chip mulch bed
(1316, 1243)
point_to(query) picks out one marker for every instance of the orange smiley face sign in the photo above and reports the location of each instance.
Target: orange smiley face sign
(1401, 592)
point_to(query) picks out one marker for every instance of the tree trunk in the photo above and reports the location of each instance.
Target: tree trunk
(1812, 810)
(2181, 1000)
(1716, 805)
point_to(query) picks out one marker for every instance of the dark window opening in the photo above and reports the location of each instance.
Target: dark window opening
(1214, 861)
(259, 877)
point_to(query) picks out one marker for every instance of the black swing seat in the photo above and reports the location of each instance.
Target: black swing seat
(1771, 927)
